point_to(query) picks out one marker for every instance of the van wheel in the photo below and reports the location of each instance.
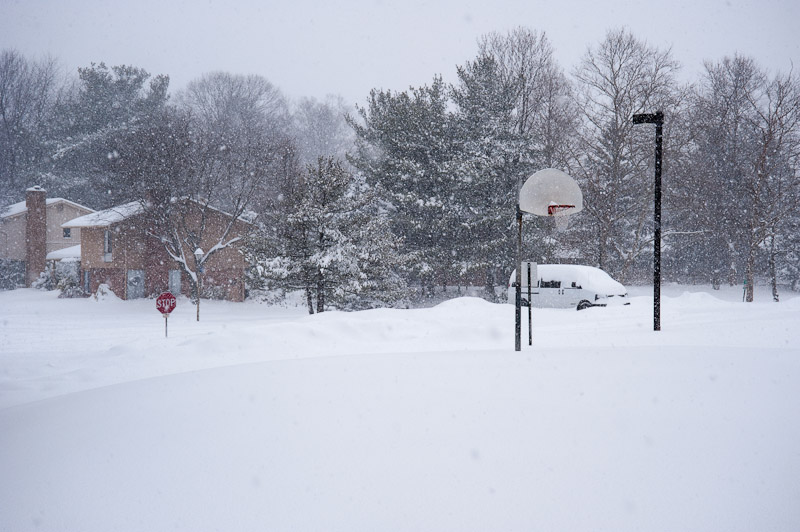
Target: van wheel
(584, 305)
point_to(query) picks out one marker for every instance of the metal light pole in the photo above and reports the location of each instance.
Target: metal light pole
(656, 118)
(518, 289)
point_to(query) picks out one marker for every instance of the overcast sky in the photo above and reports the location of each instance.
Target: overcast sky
(313, 48)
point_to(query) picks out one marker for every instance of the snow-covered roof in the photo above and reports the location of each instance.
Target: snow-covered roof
(108, 216)
(21, 207)
(123, 212)
(71, 252)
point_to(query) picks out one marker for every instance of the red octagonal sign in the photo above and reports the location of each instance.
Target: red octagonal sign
(165, 303)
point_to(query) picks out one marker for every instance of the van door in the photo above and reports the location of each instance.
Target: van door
(573, 294)
(550, 294)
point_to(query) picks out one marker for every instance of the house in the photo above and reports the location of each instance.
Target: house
(118, 249)
(31, 232)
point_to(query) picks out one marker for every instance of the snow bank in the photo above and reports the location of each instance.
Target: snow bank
(260, 418)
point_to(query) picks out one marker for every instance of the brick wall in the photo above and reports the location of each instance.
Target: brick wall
(35, 233)
(134, 249)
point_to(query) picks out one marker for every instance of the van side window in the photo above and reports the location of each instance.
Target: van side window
(550, 284)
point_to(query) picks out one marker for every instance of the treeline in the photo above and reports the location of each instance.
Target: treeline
(451, 158)
(416, 190)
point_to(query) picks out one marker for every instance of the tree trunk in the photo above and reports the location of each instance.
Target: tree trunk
(320, 294)
(489, 285)
(428, 287)
(732, 269)
(749, 273)
(601, 250)
(772, 273)
(309, 300)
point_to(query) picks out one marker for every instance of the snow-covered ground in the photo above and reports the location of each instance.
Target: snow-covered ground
(266, 418)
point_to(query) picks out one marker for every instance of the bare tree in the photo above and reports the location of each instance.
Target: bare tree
(229, 105)
(773, 190)
(320, 129)
(723, 142)
(747, 144)
(27, 93)
(242, 123)
(170, 170)
(543, 110)
(620, 77)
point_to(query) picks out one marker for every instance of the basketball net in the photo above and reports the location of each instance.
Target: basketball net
(560, 215)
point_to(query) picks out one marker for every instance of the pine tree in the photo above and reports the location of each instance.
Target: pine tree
(403, 144)
(492, 158)
(108, 105)
(333, 242)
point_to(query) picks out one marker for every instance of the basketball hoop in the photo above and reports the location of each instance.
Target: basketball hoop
(548, 192)
(560, 215)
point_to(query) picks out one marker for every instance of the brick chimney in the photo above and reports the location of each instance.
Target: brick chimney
(35, 233)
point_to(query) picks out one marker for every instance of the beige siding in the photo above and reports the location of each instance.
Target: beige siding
(13, 231)
(12, 237)
(58, 214)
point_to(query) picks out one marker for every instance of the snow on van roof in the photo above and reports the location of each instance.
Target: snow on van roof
(585, 276)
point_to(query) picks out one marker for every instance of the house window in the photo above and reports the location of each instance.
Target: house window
(107, 246)
(67, 232)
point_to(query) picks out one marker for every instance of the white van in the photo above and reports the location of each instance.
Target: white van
(568, 286)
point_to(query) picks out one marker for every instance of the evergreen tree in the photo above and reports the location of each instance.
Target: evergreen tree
(333, 243)
(403, 144)
(107, 105)
(492, 159)
(543, 117)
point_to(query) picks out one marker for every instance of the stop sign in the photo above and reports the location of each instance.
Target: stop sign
(165, 303)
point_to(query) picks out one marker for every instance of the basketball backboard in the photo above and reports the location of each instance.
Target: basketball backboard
(550, 192)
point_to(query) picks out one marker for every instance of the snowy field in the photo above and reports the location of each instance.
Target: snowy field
(265, 418)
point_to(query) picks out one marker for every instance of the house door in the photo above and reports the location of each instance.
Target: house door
(175, 282)
(135, 284)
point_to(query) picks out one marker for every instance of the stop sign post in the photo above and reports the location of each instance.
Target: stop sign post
(165, 303)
